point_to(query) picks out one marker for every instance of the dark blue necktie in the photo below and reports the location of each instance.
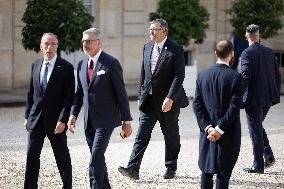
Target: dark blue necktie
(44, 77)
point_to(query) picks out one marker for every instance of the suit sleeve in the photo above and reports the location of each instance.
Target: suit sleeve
(199, 109)
(69, 88)
(78, 98)
(142, 76)
(30, 101)
(120, 92)
(179, 73)
(246, 71)
(234, 107)
(277, 75)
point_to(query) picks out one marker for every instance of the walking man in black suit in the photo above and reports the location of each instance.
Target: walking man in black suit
(217, 109)
(261, 80)
(102, 91)
(48, 105)
(161, 95)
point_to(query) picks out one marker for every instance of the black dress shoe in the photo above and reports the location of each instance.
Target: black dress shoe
(269, 161)
(254, 170)
(169, 174)
(128, 172)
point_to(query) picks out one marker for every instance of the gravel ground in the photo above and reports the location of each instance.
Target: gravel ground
(13, 141)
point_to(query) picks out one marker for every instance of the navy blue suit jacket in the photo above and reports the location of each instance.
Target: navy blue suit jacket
(217, 102)
(53, 105)
(167, 79)
(261, 76)
(104, 97)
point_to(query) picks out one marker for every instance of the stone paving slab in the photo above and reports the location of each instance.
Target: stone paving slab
(13, 141)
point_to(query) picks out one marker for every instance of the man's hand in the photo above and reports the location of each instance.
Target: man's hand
(126, 130)
(59, 127)
(71, 123)
(213, 135)
(167, 104)
(26, 124)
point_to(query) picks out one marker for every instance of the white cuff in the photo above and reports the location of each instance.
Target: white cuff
(73, 116)
(206, 129)
(127, 122)
(217, 128)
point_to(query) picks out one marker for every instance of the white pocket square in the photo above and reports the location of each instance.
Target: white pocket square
(101, 72)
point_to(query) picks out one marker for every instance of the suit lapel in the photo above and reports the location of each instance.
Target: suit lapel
(148, 53)
(162, 56)
(84, 72)
(97, 67)
(55, 71)
(37, 74)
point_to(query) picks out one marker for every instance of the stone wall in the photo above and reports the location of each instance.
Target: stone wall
(124, 24)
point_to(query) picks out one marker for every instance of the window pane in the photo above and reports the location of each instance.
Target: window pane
(187, 57)
(89, 8)
(282, 60)
(278, 56)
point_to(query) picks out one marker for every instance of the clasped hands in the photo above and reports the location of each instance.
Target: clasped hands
(213, 134)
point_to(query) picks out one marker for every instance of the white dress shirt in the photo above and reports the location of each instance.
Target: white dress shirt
(50, 67)
(95, 59)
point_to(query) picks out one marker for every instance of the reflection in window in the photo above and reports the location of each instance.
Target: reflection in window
(89, 4)
(280, 58)
(188, 58)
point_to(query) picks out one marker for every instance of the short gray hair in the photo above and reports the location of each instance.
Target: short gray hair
(163, 23)
(94, 31)
(49, 33)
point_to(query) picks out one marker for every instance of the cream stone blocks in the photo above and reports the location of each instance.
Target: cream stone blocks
(124, 24)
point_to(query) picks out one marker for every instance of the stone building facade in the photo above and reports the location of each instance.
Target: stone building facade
(124, 24)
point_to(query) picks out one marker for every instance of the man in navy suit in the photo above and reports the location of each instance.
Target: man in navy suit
(261, 80)
(48, 105)
(161, 95)
(217, 109)
(102, 91)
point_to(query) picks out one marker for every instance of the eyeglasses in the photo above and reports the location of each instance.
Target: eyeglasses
(155, 29)
(49, 44)
(88, 40)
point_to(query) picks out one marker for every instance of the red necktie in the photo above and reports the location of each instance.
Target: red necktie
(90, 69)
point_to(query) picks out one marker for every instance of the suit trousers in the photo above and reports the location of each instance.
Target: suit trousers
(98, 140)
(170, 129)
(260, 142)
(222, 181)
(61, 152)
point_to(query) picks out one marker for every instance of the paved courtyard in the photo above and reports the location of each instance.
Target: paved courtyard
(13, 143)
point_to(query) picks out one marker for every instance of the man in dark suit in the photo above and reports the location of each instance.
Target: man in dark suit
(48, 105)
(102, 91)
(261, 80)
(217, 109)
(161, 95)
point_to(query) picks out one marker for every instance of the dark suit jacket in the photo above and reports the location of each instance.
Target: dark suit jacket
(217, 102)
(168, 77)
(53, 105)
(261, 76)
(104, 97)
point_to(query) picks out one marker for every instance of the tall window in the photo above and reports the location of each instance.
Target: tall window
(90, 6)
(188, 58)
(280, 58)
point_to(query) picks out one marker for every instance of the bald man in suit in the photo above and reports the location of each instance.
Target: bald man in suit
(49, 100)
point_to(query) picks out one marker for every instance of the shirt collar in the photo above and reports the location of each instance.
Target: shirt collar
(51, 61)
(161, 44)
(222, 62)
(96, 57)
